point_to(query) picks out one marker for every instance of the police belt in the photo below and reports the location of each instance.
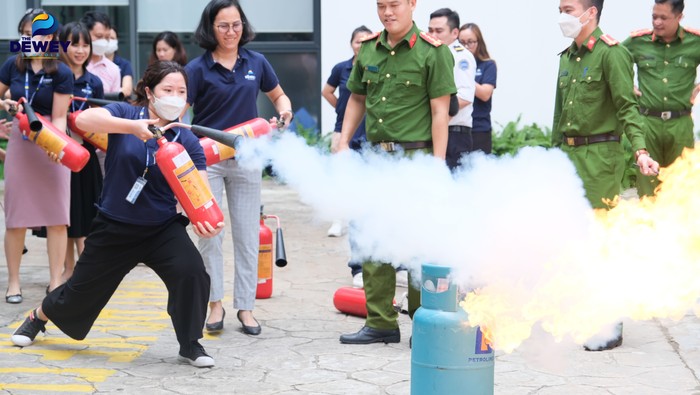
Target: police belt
(391, 146)
(575, 141)
(665, 115)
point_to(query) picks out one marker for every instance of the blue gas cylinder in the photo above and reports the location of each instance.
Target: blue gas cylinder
(448, 357)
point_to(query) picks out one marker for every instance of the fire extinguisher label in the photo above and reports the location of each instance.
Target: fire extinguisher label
(225, 152)
(98, 140)
(265, 262)
(193, 184)
(49, 142)
(245, 131)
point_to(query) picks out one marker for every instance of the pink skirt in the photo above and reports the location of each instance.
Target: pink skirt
(37, 190)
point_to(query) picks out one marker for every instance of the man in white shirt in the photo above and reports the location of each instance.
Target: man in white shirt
(444, 25)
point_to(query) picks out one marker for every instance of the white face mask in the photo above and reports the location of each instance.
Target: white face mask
(570, 25)
(112, 47)
(99, 47)
(168, 107)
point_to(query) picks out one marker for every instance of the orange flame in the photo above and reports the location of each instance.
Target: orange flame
(640, 261)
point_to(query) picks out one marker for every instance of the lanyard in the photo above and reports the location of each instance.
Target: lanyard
(26, 87)
(88, 93)
(151, 153)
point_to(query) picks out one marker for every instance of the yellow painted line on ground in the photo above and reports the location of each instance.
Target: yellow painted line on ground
(132, 315)
(48, 387)
(90, 374)
(114, 349)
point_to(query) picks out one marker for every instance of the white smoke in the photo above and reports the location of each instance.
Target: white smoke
(517, 228)
(497, 217)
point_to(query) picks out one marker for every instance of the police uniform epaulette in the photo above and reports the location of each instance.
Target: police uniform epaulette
(430, 39)
(692, 31)
(458, 48)
(609, 40)
(371, 37)
(641, 32)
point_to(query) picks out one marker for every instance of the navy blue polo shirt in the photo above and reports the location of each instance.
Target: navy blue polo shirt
(126, 161)
(481, 116)
(88, 85)
(124, 66)
(339, 79)
(221, 98)
(42, 99)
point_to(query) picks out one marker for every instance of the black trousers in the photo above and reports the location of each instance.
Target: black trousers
(458, 144)
(483, 141)
(112, 249)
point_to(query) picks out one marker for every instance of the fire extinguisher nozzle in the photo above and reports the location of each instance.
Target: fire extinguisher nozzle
(281, 260)
(35, 124)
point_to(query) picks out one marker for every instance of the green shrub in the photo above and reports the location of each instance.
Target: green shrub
(513, 137)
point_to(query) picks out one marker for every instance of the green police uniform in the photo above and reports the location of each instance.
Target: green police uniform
(666, 74)
(595, 104)
(398, 83)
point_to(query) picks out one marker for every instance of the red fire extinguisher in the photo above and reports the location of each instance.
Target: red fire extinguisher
(217, 152)
(43, 133)
(98, 140)
(350, 300)
(186, 182)
(264, 289)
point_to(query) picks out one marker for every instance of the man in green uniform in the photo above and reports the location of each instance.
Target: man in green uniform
(595, 103)
(667, 58)
(399, 81)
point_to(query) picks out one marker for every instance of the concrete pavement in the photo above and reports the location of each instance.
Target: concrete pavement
(132, 348)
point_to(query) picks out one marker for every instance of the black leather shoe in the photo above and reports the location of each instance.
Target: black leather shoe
(249, 330)
(216, 326)
(368, 335)
(14, 299)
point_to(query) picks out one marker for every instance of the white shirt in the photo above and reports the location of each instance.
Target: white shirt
(465, 74)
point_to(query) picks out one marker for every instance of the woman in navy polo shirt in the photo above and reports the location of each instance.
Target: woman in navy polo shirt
(136, 224)
(86, 185)
(37, 190)
(470, 36)
(223, 87)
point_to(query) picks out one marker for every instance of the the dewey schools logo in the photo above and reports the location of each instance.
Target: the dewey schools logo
(42, 25)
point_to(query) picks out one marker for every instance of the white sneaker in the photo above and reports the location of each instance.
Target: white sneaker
(336, 229)
(402, 278)
(357, 281)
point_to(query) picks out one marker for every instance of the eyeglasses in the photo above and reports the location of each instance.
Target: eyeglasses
(470, 43)
(223, 28)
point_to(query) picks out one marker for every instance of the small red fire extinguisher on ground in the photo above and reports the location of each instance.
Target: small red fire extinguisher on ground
(264, 289)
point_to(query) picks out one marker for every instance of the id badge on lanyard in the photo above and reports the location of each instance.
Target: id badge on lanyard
(140, 182)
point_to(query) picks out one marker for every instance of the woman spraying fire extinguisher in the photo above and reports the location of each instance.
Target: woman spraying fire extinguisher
(137, 221)
(224, 84)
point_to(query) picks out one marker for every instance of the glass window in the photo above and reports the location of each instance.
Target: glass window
(298, 75)
(91, 3)
(155, 16)
(280, 16)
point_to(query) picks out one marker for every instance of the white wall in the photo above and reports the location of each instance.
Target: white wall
(522, 36)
